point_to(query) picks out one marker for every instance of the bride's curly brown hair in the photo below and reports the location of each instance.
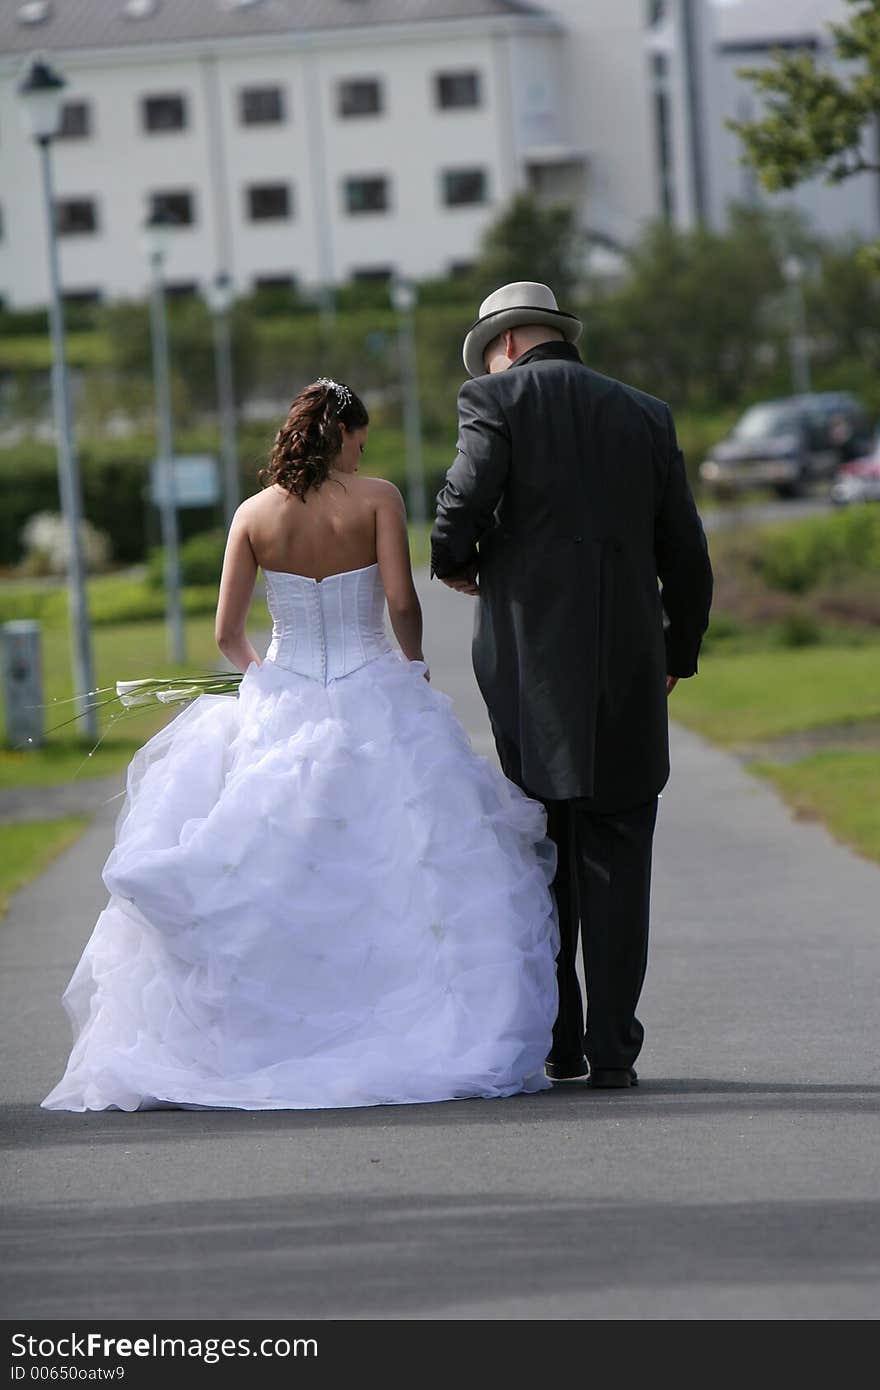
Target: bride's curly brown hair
(311, 437)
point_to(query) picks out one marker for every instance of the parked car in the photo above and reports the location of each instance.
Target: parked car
(788, 443)
(859, 480)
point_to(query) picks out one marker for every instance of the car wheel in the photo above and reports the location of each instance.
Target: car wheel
(796, 488)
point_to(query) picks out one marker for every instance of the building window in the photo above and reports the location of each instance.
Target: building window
(378, 274)
(267, 202)
(75, 216)
(455, 90)
(360, 97)
(262, 106)
(663, 137)
(77, 297)
(75, 123)
(460, 270)
(270, 284)
(175, 204)
(163, 113)
(464, 187)
(366, 195)
(181, 289)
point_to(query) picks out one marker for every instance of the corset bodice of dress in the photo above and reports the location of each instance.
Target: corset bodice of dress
(328, 627)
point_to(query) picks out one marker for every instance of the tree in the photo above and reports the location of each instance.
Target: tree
(531, 242)
(815, 122)
(698, 308)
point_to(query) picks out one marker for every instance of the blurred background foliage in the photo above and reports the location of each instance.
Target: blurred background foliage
(699, 318)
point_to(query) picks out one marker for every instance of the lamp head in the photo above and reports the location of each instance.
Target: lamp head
(403, 296)
(155, 232)
(220, 293)
(40, 95)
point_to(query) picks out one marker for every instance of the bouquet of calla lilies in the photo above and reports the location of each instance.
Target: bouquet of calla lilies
(151, 690)
(168, 690)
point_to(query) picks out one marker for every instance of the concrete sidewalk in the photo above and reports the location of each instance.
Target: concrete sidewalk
(741, 1180)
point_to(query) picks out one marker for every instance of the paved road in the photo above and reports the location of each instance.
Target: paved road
(733, 514)
(739, 1181)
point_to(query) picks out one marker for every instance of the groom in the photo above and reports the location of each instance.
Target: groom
(567, 501)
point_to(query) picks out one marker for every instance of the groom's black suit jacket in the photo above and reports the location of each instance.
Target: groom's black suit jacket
(569, 492)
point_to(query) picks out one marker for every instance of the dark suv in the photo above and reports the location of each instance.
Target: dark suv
(787, 444)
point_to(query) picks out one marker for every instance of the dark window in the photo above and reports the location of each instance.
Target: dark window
(75, 216)
(664, 153)
(181, 289)
(378, 273)
(462, 187)
(75, 123)
(457, 89)
(75, 297)
(361, 97)
(659, 64)
(460, 270)
(164, 113)
(175, 204)
(262, 106)
(366, 195)
(267, 201)
(269, 283)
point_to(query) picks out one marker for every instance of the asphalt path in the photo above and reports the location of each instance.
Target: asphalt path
(730, 515)
(739, 1181)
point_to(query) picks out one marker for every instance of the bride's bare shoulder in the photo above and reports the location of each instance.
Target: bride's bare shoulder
(381, 489)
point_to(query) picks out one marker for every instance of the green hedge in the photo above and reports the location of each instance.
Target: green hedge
(115, 474)
(800, 556)
(201, 560)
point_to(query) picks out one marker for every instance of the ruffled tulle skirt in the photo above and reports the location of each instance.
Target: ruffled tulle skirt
(319, 896)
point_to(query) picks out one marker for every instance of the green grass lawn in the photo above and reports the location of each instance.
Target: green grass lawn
(750, 696)
(841, 788)
(30, 846)
(126, 652)
(122, 651)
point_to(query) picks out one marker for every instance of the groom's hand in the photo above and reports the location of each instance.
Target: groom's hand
(465, 582)
(671, 683)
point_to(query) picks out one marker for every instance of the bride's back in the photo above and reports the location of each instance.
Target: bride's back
(315, 518)
(332, 530)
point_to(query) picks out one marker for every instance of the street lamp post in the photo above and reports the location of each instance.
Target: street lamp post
(155, 230)
(40, 92)
(219, 296)
(403, 298)
(793, 272)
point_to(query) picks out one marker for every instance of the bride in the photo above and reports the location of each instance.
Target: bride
(319, 894)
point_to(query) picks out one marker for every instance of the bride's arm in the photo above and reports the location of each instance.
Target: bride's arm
(395, 568)
(236, 591)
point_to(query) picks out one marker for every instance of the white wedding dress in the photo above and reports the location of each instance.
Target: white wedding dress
(319, 894)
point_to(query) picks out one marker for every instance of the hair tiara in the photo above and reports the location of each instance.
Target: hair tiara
(340, 390)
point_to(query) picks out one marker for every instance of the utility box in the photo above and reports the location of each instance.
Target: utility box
(22, 682)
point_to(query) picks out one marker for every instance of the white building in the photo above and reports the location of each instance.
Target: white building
(696, 49)
(318, 140)
(294, 140)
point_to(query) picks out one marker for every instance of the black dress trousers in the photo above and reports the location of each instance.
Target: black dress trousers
(603, 890)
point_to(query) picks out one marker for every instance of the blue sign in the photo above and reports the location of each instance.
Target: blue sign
(196, 481)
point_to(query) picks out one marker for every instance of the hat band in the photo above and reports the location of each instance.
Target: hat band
(515, 309)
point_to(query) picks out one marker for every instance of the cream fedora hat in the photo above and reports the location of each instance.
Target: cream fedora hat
(523, 301)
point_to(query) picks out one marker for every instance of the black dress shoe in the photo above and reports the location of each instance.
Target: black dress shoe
(567, 1071)
(611, 1078)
